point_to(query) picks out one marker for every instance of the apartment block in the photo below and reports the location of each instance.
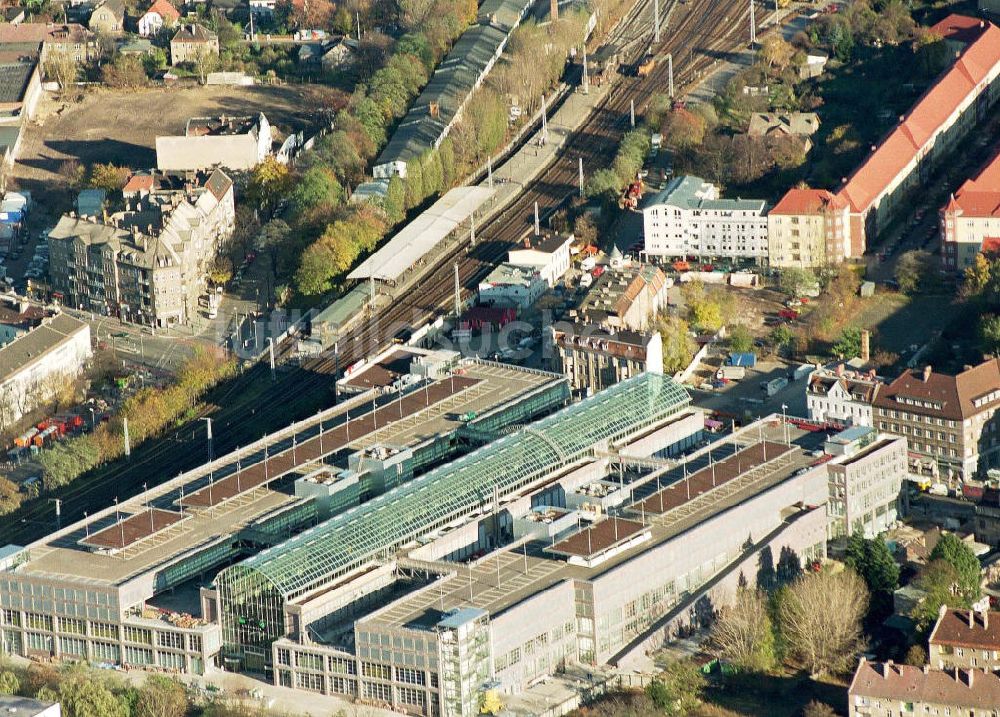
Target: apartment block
(148, 263)
(960, 99)
(970, 221)
(625, 298)
(966, 640)
(890, 690)
(808, 228)
(950, 419)
(689, 219)
(593, 357)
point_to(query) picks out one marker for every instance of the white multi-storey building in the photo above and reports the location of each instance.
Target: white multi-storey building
(688, 219)
(841, 395)
(866, 476)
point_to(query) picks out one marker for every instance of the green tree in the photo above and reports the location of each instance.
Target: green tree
(269, 183)
(603, 184)
(872, 560)
(395, 200)
(956, 552)
(315, 196)
(939, 582)
(126, 71)
(739, 339)
(976, 277)
(916, 271)
(9, 683)
(706, 314)
(108, 177)
(683, 129)
(82, 697)
(679, 689)
(160, 697)
(782, 336)
(795, 282)
(849, 343)
(414, 184)
(678, 346)
(989, 333)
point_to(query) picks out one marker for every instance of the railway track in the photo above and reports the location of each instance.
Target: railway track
(699, 28)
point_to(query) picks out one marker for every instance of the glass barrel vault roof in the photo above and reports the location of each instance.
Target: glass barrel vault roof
(351, 539)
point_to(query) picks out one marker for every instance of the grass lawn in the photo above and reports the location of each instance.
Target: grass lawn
(898, 320)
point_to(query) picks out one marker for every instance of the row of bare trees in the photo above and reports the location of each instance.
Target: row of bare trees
(816, 618)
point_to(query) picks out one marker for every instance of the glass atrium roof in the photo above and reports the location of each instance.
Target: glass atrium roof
(455, 490)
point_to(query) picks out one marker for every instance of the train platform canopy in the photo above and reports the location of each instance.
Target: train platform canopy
(421, 235)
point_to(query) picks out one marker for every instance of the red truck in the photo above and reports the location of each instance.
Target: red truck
(789, 314)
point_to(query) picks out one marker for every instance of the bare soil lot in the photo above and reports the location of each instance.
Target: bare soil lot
(121, 127)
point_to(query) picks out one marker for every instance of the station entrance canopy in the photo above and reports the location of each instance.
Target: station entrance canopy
(421, 235)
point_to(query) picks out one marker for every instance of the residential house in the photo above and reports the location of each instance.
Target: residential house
(148, 263)
(814, 65)
(970, 221)
(548, 254)
(965, 640)
(593, 357)
(262, 8)
(842, 395)
(625, 299)
(785, 124)
(511, 286)
(688, 219)
(191, 43)
(866, 476)
(950, 419)
(808, 228)
(957, 102)
(890, 690)
(40, 349)
(36, 40)
(108, 18)
(337, 53)
(236, 143)
(159, 15)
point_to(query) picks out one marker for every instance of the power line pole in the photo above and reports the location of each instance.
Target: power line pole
(537, 226)
(472, 229)
(581, 177)
(270, 350)
(670, 74)
(753, 26)
(631, 113)
(656, 20)
(458, 295)
(545, 123)
(586, 78)
(489, 171)
(128, 444)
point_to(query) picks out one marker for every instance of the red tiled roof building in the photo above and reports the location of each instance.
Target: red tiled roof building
(958, 101)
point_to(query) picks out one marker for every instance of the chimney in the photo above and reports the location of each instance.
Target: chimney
(866, 345)
(927, 669)
(972, 618)
(986, 619)
(433, 109)
(942, 611)
(968, 677)
(927, 373)
(840, 369)
(553, 9)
